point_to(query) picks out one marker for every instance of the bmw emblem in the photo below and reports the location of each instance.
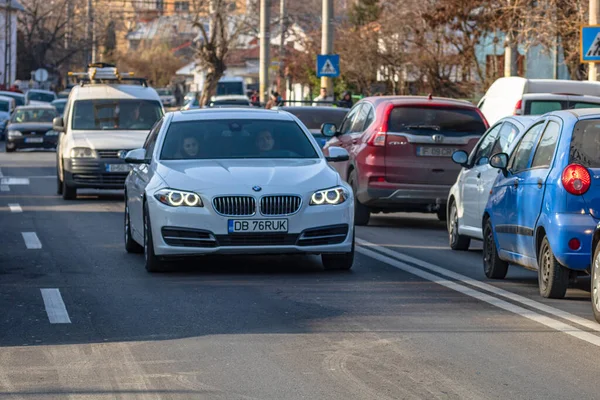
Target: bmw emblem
(256, 188)
(121, 153)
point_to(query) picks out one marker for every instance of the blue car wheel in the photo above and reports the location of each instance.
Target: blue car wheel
(493, 266)
(553, 278)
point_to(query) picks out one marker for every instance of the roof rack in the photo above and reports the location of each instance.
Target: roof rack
(105, 73)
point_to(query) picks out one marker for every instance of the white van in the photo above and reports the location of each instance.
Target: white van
(105, 117)
(231, 86)
(505, 96)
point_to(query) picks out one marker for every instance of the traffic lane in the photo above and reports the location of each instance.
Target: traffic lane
(424, 237)
(271, 323)
(373, 333)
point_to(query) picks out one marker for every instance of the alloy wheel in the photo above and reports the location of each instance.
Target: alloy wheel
(596, 283)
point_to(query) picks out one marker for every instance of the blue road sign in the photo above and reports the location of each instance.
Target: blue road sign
(590, 43)
(328, 65)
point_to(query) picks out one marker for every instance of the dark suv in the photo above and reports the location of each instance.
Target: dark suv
(400, 151)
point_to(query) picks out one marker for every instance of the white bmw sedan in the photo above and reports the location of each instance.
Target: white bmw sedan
(236, 181)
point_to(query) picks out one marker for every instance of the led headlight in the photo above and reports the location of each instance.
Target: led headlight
(82, 152)
(13, 134)
(178, 198)
(336, 195)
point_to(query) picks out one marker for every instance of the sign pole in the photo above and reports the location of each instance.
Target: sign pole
(593, 70)
(327, 41)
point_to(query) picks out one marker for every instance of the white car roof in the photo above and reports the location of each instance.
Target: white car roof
(4, 92)
(108, 91)
(41, 91)
(230, 97)
(6, 98)
(229, 113)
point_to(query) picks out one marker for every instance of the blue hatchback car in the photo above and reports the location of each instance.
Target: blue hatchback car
(544, 207)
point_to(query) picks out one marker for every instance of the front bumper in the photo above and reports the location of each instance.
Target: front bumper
(313, 230)
(92, 173)
(48, 142)
(405, 196)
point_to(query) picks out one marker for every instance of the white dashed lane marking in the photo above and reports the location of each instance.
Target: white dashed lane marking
(15, 208)
(14, 181)
(31, 240)
(55, 306)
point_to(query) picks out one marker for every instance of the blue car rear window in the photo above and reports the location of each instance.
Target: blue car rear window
(585, 144)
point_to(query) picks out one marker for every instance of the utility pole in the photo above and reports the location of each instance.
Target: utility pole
(511, 53)
(283, 29)
(8, 44)
(265, 61)
(90, 56)
(593, 68)
(327, 40)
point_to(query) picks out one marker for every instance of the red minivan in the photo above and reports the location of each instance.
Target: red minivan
(400, 151)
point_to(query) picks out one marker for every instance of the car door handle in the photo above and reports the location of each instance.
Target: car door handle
(516, 183)
(540, 183)
(478, 175)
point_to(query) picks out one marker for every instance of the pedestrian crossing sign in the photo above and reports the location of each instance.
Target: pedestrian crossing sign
(590, 44)
(328, 65)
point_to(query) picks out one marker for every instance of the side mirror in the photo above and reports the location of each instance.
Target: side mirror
(328, 130)
(58, 124)
(500, 161)
(337, 154)
(460, 157)
(137, 156)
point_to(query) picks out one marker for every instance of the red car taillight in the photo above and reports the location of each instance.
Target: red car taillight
(518, 107)
(576, 179)
(378, 139)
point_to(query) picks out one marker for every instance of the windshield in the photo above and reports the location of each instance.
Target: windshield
(313, 119)
(585, 144)
(431, 120)
(4, 106)
(231, 102)
(41, 96)
(26, 115)
(229, 139)
(115, 114)
(60, 106)
(19, 98)
(163, 92)
(225, 88)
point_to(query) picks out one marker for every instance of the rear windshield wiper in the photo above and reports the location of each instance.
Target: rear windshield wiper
(433, 127)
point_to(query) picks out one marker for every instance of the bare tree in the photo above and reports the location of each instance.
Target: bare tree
(221, 30)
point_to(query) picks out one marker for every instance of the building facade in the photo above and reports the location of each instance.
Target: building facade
(8, 41)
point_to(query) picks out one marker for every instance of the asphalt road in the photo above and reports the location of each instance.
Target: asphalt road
(80, 318)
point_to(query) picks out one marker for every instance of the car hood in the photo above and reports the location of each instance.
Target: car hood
(240, 176)
(110, 140)
(30, 126)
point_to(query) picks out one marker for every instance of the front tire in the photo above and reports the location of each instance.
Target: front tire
(68, 192)
(493, 266)
(362, 214)
(131, 246)
(153, 263)
(457, 241)
(553, 278)
(339, 262)
(442, 214)
(10, 148)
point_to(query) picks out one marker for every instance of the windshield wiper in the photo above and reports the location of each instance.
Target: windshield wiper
(434, 127)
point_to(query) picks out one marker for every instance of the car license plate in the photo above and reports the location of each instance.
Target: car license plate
(435, 151)
(117, 168)
(34, 140)
(257, 225)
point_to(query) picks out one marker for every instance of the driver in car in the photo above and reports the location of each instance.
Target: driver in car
(265, 141)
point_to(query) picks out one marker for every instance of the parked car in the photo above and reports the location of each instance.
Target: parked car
(244, 181)
(468, 197)
(60, 105)
(31, 127)
(18, 97)
(7, 107)
(505, 95)
(542, 103)
(167, 97)
(37, 96)
(401, 151)
(543, 209)
(314, 117)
